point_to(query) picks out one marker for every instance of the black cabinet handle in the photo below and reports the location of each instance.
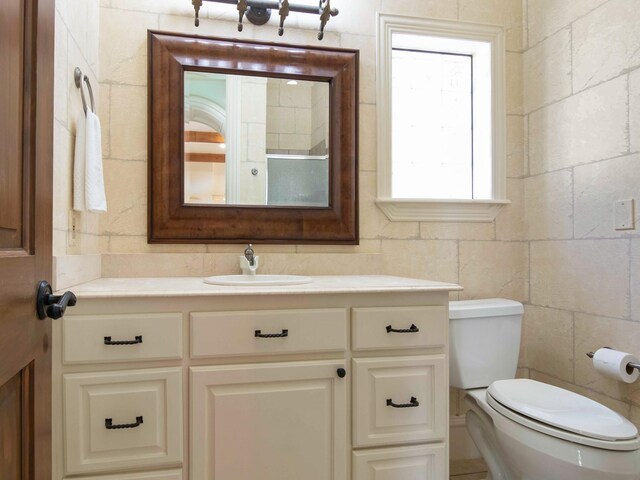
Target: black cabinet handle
(412, 403)
(108, 424)
(50, 305)
(411, 329)
(285, 333)
(341, 372)
(137, 340)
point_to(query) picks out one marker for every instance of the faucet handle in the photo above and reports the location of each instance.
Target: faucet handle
(249, 250)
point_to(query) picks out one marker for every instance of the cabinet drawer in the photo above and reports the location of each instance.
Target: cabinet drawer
(118, 338)
(267, 332)
(399, 400)
(163, 475)
(399, 327)
(148, 402)
(426, 462)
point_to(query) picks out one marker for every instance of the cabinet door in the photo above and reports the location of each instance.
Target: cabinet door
(399, 400)
(269, 422)
(422, 462)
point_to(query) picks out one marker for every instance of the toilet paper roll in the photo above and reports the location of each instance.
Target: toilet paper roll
(613, 364)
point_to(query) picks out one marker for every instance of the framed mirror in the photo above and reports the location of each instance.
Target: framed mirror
(251, 142)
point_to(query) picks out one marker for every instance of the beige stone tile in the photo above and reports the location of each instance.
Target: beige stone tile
(61, 71)
(548, 71)
(123, 45)
(70, 270)
(425, 8)
(596, 332)
(547, 338)
(515, 146)
(168, 7)
(634, 110)
(597, 187)
(62, 176)
(590, 276)
(507, 13)
(59, 242)
(583, 128)
(546, 17)
(138, 244)
(453, 401)
(126, 188)
(494, 269)
(358, 17)
(605, 43)
(301, 264)
(104, 111)
(457, 231)
(634, 416)
(215, 20)
(514, 83)
(616, 405)
(152, 265)
(128, 122)
(366, 246)
(509, 221)
(428, 259)
(281, 120)
(368, 152)
(75, 17)
(373, 223)
(549, 206)
(92, 26)
(635, 279)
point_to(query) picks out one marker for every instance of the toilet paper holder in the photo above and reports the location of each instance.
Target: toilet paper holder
(630, 365)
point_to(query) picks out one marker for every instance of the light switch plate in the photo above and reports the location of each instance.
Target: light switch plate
(624, 214)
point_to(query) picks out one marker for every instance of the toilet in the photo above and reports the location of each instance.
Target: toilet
(524, 429)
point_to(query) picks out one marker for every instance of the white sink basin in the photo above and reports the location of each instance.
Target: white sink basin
(257, 280)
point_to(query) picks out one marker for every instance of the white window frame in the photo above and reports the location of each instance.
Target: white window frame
(442, 210)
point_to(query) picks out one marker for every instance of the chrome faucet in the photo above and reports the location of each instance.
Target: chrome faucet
(249, 255)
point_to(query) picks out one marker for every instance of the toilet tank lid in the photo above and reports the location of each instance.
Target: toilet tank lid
(487, 307)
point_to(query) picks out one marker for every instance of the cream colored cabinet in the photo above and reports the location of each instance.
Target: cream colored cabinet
(253, 383)
(269, 422)
(399, 400)
(422, 462)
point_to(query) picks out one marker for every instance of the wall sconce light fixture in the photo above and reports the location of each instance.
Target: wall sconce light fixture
(258, 12)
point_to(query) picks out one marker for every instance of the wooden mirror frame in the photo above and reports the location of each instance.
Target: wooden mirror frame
(171, 220)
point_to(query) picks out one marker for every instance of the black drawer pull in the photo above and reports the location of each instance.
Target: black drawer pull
(412, 403)
(411, 329)
(108, 341)
(285, 333)
(108, 424)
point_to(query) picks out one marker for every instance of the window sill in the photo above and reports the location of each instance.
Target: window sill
(424, 210)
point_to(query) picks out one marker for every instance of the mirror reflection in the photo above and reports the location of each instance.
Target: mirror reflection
(255, 141)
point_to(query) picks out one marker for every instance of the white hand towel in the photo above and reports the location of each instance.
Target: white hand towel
(88, 178)
(79, 160)
(94, 194)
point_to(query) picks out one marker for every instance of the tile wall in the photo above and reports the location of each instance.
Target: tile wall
(582, 116)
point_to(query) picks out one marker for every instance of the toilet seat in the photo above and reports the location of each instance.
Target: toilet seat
(562, 414)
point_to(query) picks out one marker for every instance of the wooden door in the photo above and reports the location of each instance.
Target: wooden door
(279, 421)
(26, 137)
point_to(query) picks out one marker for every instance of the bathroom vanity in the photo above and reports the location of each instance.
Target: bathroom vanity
(170, 378)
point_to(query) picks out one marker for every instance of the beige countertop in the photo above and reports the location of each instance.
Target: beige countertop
(195, 286)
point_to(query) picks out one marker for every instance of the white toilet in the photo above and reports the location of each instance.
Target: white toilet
(527, 430)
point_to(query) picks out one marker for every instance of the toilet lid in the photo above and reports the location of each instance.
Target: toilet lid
(562, 409)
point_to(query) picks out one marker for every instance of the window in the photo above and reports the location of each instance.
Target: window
(441, 120)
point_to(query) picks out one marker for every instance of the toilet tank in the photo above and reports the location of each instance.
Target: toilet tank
(484, 341)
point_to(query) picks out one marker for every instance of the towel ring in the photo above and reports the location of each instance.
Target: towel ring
(78, 77)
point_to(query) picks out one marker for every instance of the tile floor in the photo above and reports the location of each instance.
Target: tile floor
(468, 470)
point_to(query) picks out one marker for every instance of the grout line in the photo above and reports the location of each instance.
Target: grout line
(569, 167)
